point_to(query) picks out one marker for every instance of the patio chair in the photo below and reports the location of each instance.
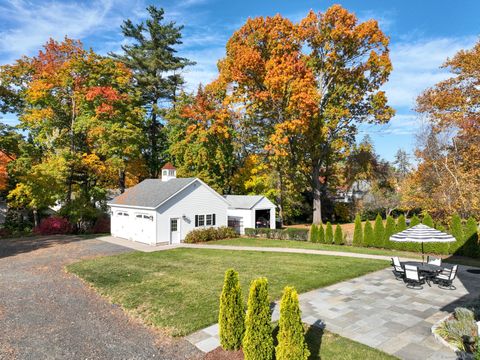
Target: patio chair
(434, 261)
(412, 278)
(446, 277)
(397, 268)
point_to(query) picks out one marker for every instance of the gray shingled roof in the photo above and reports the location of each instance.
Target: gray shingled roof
(151, 192)
(243, 201)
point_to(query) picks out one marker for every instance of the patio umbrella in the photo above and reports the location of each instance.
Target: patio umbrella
(422, 234)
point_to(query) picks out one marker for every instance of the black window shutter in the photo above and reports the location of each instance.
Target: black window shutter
(213, 219)
(196, 220)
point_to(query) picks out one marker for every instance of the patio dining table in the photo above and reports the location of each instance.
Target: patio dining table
(429, 270)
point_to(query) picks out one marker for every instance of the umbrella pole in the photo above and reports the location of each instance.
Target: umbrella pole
(423, 256)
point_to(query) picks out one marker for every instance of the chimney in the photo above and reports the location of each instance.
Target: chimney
(169, 172)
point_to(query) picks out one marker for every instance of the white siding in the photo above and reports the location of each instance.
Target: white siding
(196, 199)
(248, 217)
(266, 204)
(130, 227)
(3, 211)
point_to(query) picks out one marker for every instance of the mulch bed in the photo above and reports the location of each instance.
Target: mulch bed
(220, 354)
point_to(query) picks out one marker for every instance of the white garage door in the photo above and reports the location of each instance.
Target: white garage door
(144, 228)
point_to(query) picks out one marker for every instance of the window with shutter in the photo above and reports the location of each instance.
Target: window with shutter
(196, 220)
(213, 219)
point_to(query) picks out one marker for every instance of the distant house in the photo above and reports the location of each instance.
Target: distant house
(357, 191)
(164, 211)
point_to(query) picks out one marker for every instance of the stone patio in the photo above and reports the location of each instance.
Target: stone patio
(378, 311)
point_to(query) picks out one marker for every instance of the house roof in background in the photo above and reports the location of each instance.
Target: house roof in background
(243, 201)
(150, 193)
(169, 166)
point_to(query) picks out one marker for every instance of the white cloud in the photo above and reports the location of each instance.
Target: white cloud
(205, 69)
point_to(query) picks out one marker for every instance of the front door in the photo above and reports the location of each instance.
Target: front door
(174, 231)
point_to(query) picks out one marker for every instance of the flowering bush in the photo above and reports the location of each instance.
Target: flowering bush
(53, 225)
(102, 225)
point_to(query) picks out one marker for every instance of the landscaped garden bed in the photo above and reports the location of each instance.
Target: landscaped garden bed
(178, 290)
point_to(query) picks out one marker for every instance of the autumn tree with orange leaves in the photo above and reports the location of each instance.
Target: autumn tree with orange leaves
(80, 110)
(303, 88)
(448, 177)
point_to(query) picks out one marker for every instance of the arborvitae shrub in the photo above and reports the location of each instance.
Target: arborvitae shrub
(313, 233)
(358, 232)
(329, 233)
(389, 231)
(231, 315)
(415, 220)
(368, 235)
(258, 340)
(338, 237)
(427, 220)
(401, 223)
(321, 234)
(477, 353)
(378, 231)
(456, 229)
(471, 246)
(291, 338)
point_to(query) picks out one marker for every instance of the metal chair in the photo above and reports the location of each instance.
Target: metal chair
(434, 261)
(446, 277)
(397, 269)
(412, 278)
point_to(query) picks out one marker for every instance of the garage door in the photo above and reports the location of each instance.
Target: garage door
(144, 228)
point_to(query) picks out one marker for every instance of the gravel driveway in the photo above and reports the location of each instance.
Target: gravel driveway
(46, 313)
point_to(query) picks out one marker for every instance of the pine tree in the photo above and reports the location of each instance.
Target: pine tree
(378, 231)
(338, 237)
(258, 340)
(368, 236)
(401, 223)
(389, 231)
(291, 338)
(329, 233)
(150, 54)
(231, 315)
(471, 246)
(427, 220)
(321, 234)
(358, 232)
(313, 233)
(414, 220)
(456, 230)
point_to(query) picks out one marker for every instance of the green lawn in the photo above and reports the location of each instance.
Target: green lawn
(314, 246)
(177, 290)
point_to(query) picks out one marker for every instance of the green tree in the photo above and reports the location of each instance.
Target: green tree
(150, 53)
(368, 235)
(291, 339)
(389, 231)
(231, 313)
(456, 229)
(415, 220)
(338, 237)
(358, 232)
(329, 233)
(313, 233)
(427, 220)
(379, 231)
(321, 234)
(471, 246)
(401, 223)
(258, 340)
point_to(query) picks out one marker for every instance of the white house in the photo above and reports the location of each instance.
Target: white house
(164, 211)
(250, 211)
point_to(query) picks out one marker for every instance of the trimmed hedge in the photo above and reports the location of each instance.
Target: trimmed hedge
(279, 234)
(210, 234)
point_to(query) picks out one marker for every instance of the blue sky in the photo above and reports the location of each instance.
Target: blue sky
(423, 34)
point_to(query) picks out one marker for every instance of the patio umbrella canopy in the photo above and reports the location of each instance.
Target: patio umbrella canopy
(422, 234)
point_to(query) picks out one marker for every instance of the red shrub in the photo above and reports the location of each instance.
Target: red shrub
(53, 225)
(4, 232)
(102, 225)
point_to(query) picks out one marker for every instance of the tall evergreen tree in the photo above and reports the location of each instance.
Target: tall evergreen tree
(358, 232)
(368, 236)
(378, 231)
(151, 55)
(389, 231)
(471, 246)
(456, 230)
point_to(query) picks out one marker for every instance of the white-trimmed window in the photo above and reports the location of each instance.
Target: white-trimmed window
(205, 220)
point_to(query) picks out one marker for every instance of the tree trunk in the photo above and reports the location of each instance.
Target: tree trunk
(317, 195)
(153, 134)
(121, 180)
(35, 217)
(280, 198)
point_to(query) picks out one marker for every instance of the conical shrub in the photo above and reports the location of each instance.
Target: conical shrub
(231, 314)
(456, 229)
(368, 236)
(329, 233)
(313, 233)
(427, 220)
(415, 220)
(401, 223)
(338, 237)
(291, 337)
(378, 231)
(258, 340)
(358, 232)
(471, 246)
(389, 231)
(321, 234)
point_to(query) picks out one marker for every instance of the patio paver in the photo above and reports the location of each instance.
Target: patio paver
(380, 312)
